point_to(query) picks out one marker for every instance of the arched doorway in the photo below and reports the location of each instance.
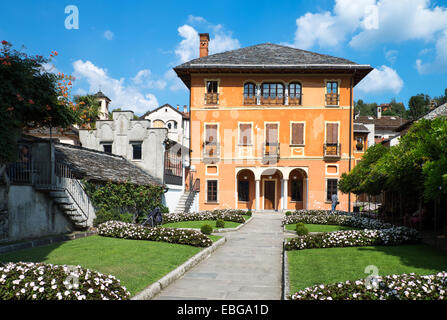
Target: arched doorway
(245, 189)
(297, 195)
(271, 189)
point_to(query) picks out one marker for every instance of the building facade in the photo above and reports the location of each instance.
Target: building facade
(271, 126)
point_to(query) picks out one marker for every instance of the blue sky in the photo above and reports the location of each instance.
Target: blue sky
(128, 48)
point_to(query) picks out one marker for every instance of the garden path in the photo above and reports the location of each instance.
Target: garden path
(248, 266)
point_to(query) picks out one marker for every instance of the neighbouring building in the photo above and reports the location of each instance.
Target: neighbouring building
(382, 127)
(271, 126)
(149, 148)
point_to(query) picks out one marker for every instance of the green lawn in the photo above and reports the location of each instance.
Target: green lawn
(320, 227)
(137, 263)
(329, 265)
(199, 223)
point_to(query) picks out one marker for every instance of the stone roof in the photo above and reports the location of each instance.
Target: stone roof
(99, 94)
(269, 57)
(359, 127)
(185, 115)
(430, 115)
(385, 122)
(100, 166)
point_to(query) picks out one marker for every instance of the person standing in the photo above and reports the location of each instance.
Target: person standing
(334, 199)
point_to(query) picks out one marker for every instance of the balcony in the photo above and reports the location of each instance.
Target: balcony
(211, 98)
(332, 99)
(211, 152)
(270, 153)
(250, 101)
(272, 101)
(294, 101)
(331, 151)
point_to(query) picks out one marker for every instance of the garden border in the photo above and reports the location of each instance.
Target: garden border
(155, 288)
(285, 273)
(219, 230)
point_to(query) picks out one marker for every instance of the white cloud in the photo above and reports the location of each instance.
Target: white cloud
(380, 80)
(195, 19)
(109, 35)
(124, 96)
(50, 67)
(391, 56)
(440, 62)
(144, 80)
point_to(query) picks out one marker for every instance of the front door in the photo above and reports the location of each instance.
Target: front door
(269, 195)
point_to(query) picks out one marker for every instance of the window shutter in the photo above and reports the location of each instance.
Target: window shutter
(245, 133)
(271, 132)
(332, 133)
(211, 133)
(297, 133)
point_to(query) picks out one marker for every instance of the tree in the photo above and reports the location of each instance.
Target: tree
(418, 105)
(88, 110)
(30, 97)
(365, 109)
(441, 99)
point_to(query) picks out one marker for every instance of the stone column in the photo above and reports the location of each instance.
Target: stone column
(258, 94)
(285, 193)
(258, 183)
(307, 193)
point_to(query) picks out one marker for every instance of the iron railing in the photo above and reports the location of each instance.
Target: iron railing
(211, 98)
(56, 176)
(173, 172)
(211, 152)
(332, 99)
(331, 150)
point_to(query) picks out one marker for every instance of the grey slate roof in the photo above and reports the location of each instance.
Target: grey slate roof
(100, 166)
(384, 123)
(99, 94)
(270, 57)
(359, 127)
(430, 115)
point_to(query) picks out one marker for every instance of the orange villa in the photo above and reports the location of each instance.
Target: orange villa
(271, 126)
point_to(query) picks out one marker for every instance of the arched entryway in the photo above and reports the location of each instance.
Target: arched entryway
(271, 189)
(297, 186)
(245, 189)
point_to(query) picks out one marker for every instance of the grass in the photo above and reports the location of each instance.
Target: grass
(320, 227)
(330, 265)
(197, 224)
(137, 263)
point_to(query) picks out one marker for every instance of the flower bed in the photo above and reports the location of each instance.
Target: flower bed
(118, 229)
(40, 281)
(397, 287)
(354, 238)
(226, 215)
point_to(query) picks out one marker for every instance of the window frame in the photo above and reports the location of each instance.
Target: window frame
(247, 193)
(327, 188)
(240, 134)
(133, 144)
(291, 134)
(300, 94)
(108, 145)
(291, 189)
(216, 191)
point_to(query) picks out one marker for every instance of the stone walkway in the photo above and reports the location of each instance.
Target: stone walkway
(247, 266)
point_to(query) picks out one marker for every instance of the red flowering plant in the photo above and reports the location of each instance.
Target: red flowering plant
(30, 97)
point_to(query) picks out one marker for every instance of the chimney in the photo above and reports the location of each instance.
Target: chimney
(185, 109)
(204, 40)
(178, 108)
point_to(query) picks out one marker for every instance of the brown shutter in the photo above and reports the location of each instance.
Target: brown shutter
(332, 133)
(245, 133)
(271, 132)
(297, 133)
(211, 133)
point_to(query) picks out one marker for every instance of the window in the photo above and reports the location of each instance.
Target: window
(297, 134)
(211, 86)
(136, 151)
(331, 188)
(332, 93)
(332, 133)
(359, 143)
(243, 191)
(211, 95)
(175, 124)
(211, 191)
(249, 93)
(169, 126)
(107, 148)
(211, 134)
(294, 94)
(245, 134)
(272, 93)
(271, 133)
(296, 190)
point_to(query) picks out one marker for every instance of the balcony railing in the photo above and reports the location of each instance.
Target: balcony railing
(270, 153)
(332, 99)
(211, 98)
(294, 101)
(250, 100)
(272, 101)
(211, 152)
(331, 151)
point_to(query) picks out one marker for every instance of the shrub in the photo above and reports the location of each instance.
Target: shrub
(104, 215)
(206, 229)
(40, 281)
(301, 229)
(118, 229)
(226, 215)
(354, 238)
(392, 287)
(288, 213)
(220, 223)
(248, 213)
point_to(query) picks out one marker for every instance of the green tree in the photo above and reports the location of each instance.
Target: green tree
(365, 109)
(418, 105)
(88, 110)
(29, 97)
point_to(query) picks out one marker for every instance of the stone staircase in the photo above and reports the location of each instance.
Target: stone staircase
(68, 206)
(185, 202)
